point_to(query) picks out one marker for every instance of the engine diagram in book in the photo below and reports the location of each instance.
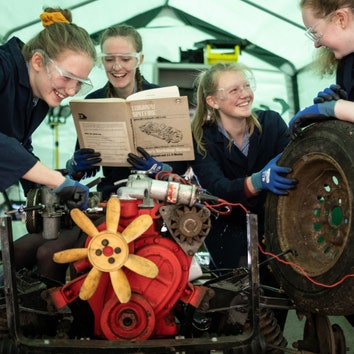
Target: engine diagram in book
(162, 131)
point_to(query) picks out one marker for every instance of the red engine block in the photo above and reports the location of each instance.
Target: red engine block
(150, 311)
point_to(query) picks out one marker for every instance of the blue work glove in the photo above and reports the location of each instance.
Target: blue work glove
(324, 108)
(147, 163)
(332, 93)
(271, 179)
(73, 193)
(83, 161)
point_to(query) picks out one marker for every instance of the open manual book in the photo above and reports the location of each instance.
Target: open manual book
(157, 120)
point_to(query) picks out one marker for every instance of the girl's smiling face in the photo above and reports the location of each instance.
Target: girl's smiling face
(53, 80)
(121, 72)
(234, 95)
(335, 31)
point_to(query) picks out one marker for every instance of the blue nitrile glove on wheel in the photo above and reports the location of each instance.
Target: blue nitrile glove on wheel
(325, 108)
(73, 193)
(332, 93)
(147, 163)
(83, 160)
(271, 179)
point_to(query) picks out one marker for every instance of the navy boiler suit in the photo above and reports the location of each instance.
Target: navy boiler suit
(223, 171)
(20, 116)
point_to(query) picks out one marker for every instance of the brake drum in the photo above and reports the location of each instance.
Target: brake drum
(315, 220)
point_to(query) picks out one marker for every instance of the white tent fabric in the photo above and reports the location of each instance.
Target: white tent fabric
(273, 26)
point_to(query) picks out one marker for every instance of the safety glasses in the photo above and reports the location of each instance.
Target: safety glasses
(115, 61)
(313, 35)
(61, 79)
(235, 91)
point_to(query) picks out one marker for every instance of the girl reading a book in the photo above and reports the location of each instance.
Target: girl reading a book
(121, 57)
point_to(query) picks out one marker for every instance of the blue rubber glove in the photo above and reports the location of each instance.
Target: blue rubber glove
(83, 161)
(334, 92)
(73, 193)
(271, 179)
(147, 163)
(324, 108)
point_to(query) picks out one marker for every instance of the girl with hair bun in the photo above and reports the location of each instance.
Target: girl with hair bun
(53, 65)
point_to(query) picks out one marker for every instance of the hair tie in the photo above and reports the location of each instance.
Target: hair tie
(49, 18)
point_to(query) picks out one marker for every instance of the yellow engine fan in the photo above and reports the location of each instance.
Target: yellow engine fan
(108, 251)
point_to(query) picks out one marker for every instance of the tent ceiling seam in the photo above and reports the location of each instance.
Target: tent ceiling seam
(274, 14)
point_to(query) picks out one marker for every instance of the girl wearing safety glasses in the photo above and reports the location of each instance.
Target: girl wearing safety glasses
(330, 24)
(121, 57)
(239, 147)
(52, 66)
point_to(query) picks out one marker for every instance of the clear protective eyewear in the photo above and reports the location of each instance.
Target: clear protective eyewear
(235, 91)
(311, 33)
(127, 61)
(67, 81)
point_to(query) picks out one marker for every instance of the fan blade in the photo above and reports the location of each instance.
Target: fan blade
(142, 266)
(70, 255)
(90, 284)
(121, 285)
(112, 214)
(137, 227)
(84, 222)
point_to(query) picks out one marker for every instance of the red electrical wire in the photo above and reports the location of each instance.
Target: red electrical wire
(302, 270)
(224, 203)
(219, 203)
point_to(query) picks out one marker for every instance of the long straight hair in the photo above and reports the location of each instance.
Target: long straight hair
(205, 115)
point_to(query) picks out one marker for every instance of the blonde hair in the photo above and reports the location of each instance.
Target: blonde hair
(59, 36)
(205, 115)
(323, 8)
(325, 61)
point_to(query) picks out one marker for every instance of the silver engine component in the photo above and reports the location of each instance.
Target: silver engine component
(140, 186)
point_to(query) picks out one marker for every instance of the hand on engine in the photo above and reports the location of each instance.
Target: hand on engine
(73, 193)
(271, 178)
(147, 163)
(84, 160)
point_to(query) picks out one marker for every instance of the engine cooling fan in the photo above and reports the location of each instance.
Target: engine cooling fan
(108, 251)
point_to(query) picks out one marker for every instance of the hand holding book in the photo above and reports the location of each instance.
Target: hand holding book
(157, 120)
(147, 163)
